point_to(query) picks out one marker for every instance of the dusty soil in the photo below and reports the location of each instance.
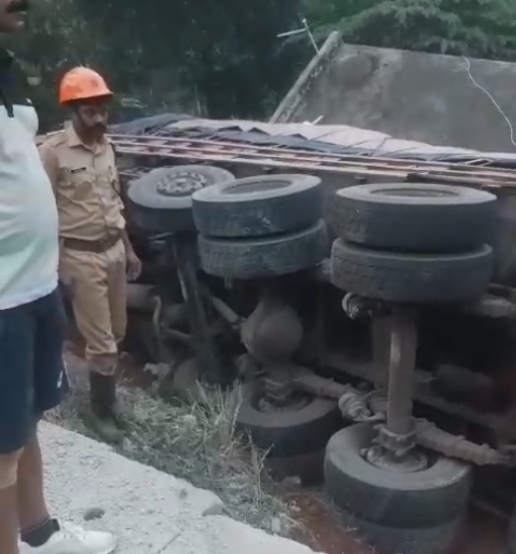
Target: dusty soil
(323, 532)
(320, 527)
(484, 534)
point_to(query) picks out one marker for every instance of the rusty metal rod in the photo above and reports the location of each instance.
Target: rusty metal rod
(381, 335)
(402, 366)
(183, 246)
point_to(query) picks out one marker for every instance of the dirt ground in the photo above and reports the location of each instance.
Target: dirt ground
(323, 532)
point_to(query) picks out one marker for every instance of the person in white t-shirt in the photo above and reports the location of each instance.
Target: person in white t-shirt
(32, 376)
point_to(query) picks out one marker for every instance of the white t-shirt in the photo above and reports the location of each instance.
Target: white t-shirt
(29, 243)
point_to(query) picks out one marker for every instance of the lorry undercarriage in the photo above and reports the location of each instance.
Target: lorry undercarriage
(399, 369)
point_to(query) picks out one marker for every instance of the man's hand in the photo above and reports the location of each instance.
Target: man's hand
(134, 265)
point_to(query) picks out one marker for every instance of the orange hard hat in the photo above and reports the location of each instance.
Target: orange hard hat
(82, 83)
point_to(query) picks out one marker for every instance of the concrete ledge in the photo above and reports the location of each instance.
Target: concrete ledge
(151, 512)
(220, 534)
(142, 506)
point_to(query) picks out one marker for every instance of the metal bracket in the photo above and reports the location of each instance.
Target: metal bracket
(399, 445)
(356, 307)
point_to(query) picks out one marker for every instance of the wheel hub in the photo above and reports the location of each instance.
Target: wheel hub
(281, 399)
(396, 452)
(422, 193)
(410, 462)
(183, 183)
(257, 186)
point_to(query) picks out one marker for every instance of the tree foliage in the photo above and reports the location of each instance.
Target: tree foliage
(57, 39)
(481, 28)
(222, 58)
(226, 49)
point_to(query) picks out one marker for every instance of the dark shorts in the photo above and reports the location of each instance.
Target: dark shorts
(32, 373)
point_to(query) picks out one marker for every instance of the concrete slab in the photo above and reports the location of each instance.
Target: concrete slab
(143, 506)
(151, 512)
(222, 535)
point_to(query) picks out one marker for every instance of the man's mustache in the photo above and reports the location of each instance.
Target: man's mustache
(18, 6)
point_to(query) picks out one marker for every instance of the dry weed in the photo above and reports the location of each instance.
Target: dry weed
(194, 441)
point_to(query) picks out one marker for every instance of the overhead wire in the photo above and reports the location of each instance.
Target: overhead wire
(490, 96)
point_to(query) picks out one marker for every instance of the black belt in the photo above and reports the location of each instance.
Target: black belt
(95, 246)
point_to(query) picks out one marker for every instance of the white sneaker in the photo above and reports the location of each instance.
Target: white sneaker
(71, 539)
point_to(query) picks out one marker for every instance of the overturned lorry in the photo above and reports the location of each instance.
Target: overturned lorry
(362, 288)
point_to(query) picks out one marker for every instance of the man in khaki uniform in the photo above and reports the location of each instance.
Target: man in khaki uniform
(96, 255)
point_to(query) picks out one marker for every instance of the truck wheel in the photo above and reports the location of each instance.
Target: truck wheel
(416, 217)
(258, 206)
(398, 277)
(512, 532)
(308, 468)
(389, 540)
(145, 342)
(161, 201)
(264, 257)
(391, 509)
(302, 427)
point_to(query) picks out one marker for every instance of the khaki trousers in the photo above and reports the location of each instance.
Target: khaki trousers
(98, 288)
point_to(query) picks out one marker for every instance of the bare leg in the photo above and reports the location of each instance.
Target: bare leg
(8, 522)
(32, 509)
(8, 505)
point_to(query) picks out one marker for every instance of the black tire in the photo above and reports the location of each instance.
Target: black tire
(308, 468)
(264, 257)
(258, 206)
(416, 217)
(511, 534)
(288, 432)
(161, 201)
(411, 277)
(389, 540)
(141, 340)
(420, 500)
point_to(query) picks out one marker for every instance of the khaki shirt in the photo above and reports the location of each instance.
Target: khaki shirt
(86, 185)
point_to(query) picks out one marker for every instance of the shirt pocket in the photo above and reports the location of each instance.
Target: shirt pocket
(77, 185)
